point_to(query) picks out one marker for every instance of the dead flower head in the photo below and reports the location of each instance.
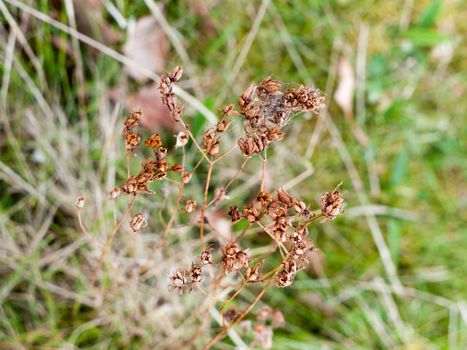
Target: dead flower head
(211, 142)
(182, 139)
(332, 204)
(234, 214)
(179, 280)
(206, 257)
(190, 205)
(137, 222)
(132, 140)
(153, 141)
(166, 89)
(186, 177)
(233, 257)
(115, 193)
(80, 201)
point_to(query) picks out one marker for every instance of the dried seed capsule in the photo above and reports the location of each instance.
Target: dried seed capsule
(137, 222)
(190, 205)
(80, 201)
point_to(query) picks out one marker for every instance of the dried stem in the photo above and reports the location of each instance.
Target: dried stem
(203, 208)
(109, 240)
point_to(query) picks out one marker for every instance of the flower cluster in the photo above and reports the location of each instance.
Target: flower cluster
(211, 138)
(332, 204)
(132, 139)
(233, 258)
(166, 86)
(184, 279)
(264, 110)
(267, 108)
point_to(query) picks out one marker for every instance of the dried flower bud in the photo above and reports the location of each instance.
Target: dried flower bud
(211, 142)
(190, 205)
(234, 214)
(176, 73)
(179, 280)
(253, 274)
(177, 168)
(250, 213)
(206, 257)
(132, 141)
(269, 86)
(233, 257)
(137, 222)
(186, 177)
(332, 204)
(223, 125)
(80, 201)
(132, 120)
(115, 193)
(263, 198)
(231, 315)
(285, 277)
(153, 141)
(275, 135)
(247, 146)
(284, 197)
(299, 206)
(195, 273)
(228, 110)
(182, 139)
(247, 97)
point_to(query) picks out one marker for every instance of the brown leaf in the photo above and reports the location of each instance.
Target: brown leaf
(345, 90)
(148, 46)
(155, 115)
(147, 99)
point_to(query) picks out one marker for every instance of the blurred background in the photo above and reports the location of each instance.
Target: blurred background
(391, 271)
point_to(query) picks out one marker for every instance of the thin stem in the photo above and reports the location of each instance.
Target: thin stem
(108, 243)
(226, 153)
(281, 246)
(128, 164)
(205, 202)
(225, 329)
(239, 290)
(195, 142)
(198, 164)
(263, 171)
(226, 187)
(81, 226)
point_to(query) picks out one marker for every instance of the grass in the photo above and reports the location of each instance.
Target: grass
(412, 111)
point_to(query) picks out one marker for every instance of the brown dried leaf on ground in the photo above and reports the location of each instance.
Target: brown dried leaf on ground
(156, 116)
(147, 45)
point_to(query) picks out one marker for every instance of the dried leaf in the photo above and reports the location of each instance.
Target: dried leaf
(345, 91)
(147, 99)
(147, 45)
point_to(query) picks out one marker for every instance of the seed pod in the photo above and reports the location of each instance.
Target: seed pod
(137, 222)
(80, 201)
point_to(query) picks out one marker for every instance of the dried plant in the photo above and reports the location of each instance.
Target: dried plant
(281, 217)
